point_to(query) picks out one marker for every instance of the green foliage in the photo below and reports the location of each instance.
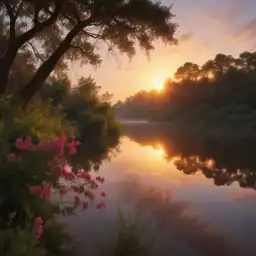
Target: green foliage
(22, 242)
(56, 240)
(39, 121)
(129, 240)
(16, 242)
(18, 207)
(92, 116)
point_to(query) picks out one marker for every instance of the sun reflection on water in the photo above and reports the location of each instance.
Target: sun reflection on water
(150, 161)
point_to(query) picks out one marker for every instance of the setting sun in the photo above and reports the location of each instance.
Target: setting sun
(158, 84)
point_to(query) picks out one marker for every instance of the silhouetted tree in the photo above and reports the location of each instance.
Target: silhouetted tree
(61, 30)
(189, 71)
(220, 92)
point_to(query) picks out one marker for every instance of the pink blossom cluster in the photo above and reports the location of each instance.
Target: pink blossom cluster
(80, 183)
(56, 145)
(43, 191)
(13, 157)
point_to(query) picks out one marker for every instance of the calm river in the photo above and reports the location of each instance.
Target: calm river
(196, 196)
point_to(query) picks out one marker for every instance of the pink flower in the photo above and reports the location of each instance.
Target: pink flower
(35, 189)
(68, 175)
(93, 184)
(100, 179)
(64, 171)
(25, 144)
(45, 146)
(101, 205)
(85, 205)
(19, 142)
(71, 146)
(11, 157)
(38, 227)
(89, 194)
(75, 188)
(85, 175)
(103, 194)
(63, 189)
(61, 145)
(46, 191)
(77, 201)
(38, 220)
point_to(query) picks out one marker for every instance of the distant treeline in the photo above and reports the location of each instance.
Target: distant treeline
(219, 95)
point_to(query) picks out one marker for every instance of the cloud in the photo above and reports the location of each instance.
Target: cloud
(233, 15)
(247, 30)
(227, 10)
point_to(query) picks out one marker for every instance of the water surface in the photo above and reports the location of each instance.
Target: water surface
(198, 198)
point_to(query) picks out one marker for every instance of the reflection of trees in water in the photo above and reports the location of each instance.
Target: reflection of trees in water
(173, 221)
(94, 151)
(233, 161)
(221, 176)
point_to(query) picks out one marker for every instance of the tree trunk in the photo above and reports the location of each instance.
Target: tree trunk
(15, 43)
(27, 93)
(5, 66)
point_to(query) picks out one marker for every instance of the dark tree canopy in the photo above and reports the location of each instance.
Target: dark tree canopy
(223, 89)
(55, 31)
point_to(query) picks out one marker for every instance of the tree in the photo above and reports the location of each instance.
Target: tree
(248, 61)
(59, 30)
(223, 63)
(189, 71)
(56, 90)
(218, 66)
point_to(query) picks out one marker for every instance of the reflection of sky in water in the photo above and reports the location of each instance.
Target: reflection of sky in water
(198, 215)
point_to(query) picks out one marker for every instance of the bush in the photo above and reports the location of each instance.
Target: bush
(128, 239)
(17, 242)
(39, 121)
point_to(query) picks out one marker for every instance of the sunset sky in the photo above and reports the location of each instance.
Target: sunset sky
(206, 27)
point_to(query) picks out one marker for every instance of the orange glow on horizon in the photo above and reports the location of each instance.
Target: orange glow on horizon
(158, 83)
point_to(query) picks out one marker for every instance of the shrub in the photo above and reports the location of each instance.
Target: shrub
(17, 242)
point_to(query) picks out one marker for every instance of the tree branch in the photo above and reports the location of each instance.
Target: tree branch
(47, 67)
(35, 18)
(8, 8)
(93, 35)
(41, 25)
(97, 37)
(79, 48)
(69, 19)
(37, 54)
(18, 9)
(124, 25)
(12, 20)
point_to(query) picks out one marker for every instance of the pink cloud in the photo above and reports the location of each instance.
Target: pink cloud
(247, 30)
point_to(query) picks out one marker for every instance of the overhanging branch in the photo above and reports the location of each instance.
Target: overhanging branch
(37, 54)
(79, 48)
(38, 27)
